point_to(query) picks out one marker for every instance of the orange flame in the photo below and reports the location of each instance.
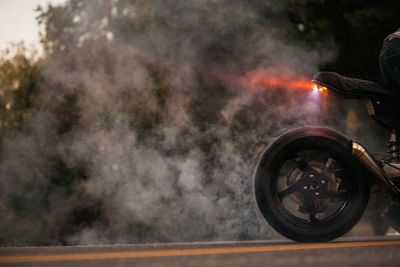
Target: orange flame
(262, 80)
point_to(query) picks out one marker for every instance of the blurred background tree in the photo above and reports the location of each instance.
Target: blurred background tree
(19, 83)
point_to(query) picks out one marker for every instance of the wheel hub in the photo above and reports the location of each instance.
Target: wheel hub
(314, 188)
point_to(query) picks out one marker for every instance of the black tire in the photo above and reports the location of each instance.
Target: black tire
(311, 222)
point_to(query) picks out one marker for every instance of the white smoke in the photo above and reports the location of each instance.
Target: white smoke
(159, 161)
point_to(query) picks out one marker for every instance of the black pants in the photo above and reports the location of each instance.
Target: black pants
(389, 61)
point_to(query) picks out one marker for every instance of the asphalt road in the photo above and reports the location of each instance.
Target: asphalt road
(344, 252)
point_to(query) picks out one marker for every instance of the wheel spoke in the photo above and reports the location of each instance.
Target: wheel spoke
(310, 208)
(327, 165)
(292, 188)
(304, 166)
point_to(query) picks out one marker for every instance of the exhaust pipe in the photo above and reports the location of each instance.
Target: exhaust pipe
(366, 159)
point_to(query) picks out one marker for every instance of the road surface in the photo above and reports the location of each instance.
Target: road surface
(344, 252)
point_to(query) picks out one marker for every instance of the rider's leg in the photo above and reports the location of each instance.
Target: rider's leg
(390, 63)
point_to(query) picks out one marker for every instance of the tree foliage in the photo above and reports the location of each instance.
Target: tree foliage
(19, 77)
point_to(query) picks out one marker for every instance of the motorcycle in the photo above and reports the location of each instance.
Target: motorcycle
(313, 184)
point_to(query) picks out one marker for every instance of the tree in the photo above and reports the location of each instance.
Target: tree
(19, 84)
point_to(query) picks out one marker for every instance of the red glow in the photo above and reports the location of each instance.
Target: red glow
(263, 80)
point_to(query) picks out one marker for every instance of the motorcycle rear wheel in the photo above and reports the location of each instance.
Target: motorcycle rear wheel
(310, 189)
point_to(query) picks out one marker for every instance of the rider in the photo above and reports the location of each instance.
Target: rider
(389, 60)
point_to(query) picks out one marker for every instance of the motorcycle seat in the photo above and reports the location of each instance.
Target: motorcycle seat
(355, 88)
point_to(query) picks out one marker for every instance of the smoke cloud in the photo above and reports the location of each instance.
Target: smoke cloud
(140, 132)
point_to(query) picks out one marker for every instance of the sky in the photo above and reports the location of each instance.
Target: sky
(17, 21)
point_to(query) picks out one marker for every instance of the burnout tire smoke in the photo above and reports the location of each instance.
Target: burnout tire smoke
(291, 220)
